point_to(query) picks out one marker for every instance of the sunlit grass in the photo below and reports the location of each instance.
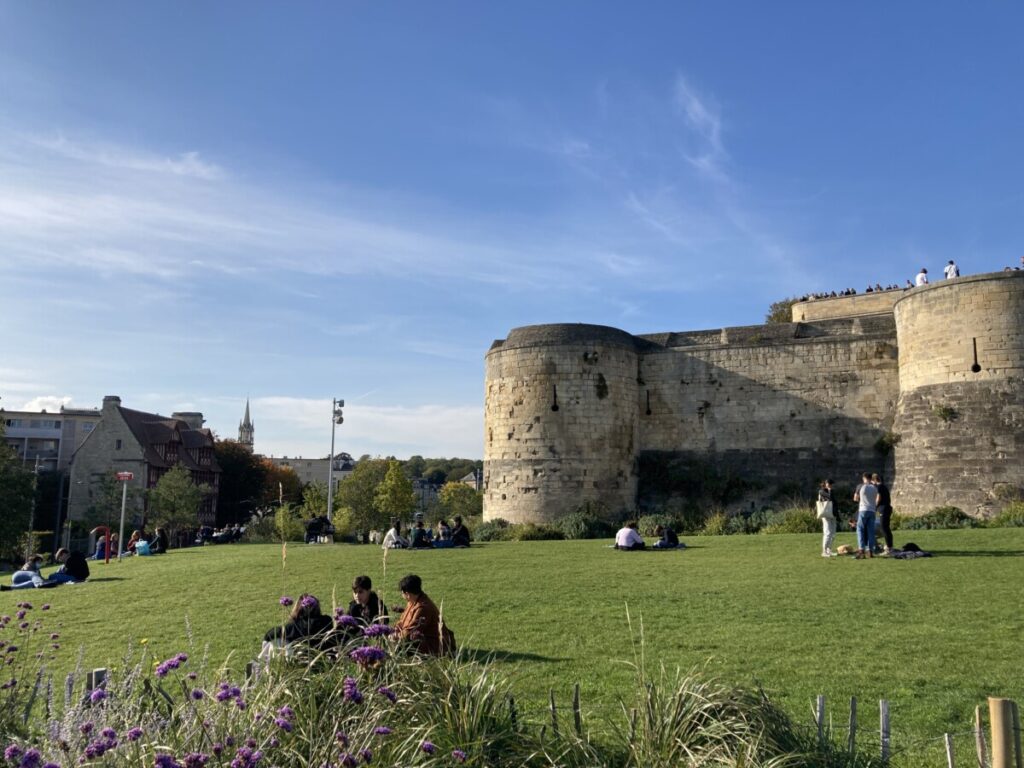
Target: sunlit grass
(933, 636)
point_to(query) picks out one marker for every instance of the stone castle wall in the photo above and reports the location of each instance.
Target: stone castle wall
(961, 424)
(771, 403)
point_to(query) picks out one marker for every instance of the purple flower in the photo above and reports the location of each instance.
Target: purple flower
(49, 765)
(223, 695)
(85, 728)
(108, 733)
(196, 760)
(381, 730)
(347, 760)
(458, 756)
(97, 696)
(240, 704)
(197, 694)
(378, 630)
(250, 743)
(54, 636)
(428, 747)
(217, 749)
(182, 657)
(20, 615)
(387, 693)
(283, 724)
(25, 605)
(367, 755)
(286, 711)
(134, 734)
(45, 606)
(165, 761)
(341, 738)
(347, 621)
(286, 601)
(31, 759)
(367, 654)
(191, 675)
(308, 601)
(274, 741)
(351, 691)
(13, 752)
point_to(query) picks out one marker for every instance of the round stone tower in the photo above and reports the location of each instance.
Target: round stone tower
(561, 422)
(960, 415)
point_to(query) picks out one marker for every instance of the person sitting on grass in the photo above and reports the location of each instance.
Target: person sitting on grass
(306, 624)
(133, 542)
(442, 535)
(29, 576)
(667, 538)
(366, 606)
(628, 539)
(460, 533)
(160, 543)
(420, 537)
(394, 538)
(420, 624)
(73, 568)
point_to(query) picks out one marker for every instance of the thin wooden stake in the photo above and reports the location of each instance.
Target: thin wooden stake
(949, 750)
(819, 717)
(554, 715)
(577, 716)
(851, 745)
(1016, 735)
(979, 739)
(512, 716)
(1000, 717)
(883, 717)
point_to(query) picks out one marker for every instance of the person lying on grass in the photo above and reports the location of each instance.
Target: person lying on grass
(29, 576)
(421, 625)
(73, 570)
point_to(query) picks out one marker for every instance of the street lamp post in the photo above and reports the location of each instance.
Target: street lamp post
(336, 419)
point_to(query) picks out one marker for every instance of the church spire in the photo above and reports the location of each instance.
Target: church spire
(246, 429)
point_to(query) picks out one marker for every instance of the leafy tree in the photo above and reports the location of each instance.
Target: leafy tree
(460, 499)
(781, 311)
(15, 500)
(414, 467)
(435, 474)
(357, 493)
(314, 500)
(395, 498)
(280, 483)
(243, 478)
(174, 501)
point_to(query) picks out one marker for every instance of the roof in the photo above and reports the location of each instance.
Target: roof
(152, 429)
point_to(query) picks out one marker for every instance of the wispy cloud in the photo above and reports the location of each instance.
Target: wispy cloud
(51, 403)
(188, 164)
(705, 122)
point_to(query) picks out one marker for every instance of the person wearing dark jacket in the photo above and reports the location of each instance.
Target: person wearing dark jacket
(668, 538)
(73, 568)
(366, 607)
(306, 624)
(160, 542)
(460, 533)
(884, 508)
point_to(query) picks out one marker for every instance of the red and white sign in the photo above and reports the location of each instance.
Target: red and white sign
(125, 475)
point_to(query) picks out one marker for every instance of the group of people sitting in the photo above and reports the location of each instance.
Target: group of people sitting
(628, 538)
(420, 626)
(226, 535)
(317, 529)
(142, 543)
(421, 537)
(73, 569)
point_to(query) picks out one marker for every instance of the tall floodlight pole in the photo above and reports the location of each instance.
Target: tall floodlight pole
(336, 419)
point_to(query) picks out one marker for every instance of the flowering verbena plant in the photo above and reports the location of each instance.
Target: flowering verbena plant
(169, 713)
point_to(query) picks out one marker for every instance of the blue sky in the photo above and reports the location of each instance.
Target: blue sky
(201, 202)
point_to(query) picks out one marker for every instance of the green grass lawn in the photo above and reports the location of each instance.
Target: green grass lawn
(933, 636)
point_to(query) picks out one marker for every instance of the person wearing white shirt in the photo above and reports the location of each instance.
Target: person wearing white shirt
(394, 538)
(922, 277)
(951, 270)
(628, 538)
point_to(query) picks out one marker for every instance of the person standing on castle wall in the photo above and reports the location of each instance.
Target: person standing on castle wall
(922, 277)
(826, 513)
(866, 496)
(884, 509)
(951, 270)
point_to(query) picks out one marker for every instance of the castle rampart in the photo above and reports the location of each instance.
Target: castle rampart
(874, 303)
(771, 403)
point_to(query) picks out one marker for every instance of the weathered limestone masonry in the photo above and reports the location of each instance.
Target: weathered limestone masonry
(770, 404)
(961, 416)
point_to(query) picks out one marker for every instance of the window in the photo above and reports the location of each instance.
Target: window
(117, 445)
(87, 426)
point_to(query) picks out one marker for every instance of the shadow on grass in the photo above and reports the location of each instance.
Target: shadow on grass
(977, 552)
(93, 579)
(480, 655)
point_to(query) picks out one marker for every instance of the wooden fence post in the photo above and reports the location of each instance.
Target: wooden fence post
(883, 717)
(577, 716)
(1000, 715)
(554, 715)
(819, 717)
(948, 738)
(1016, 735)
(979, 739)
(851, 743)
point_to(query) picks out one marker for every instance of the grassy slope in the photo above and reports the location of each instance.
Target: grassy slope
(933, 636)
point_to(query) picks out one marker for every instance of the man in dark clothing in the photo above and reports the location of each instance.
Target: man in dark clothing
(73, 568)
(668, 538)
(884, 509)
(460, 533)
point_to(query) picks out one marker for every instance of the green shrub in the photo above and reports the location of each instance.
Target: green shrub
(940, 517)
(793, 520)
(716, 524)
(589, 521)
(1011, 517)
(261, 530)
(492, 530)
(534, 532)
(646, 524)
